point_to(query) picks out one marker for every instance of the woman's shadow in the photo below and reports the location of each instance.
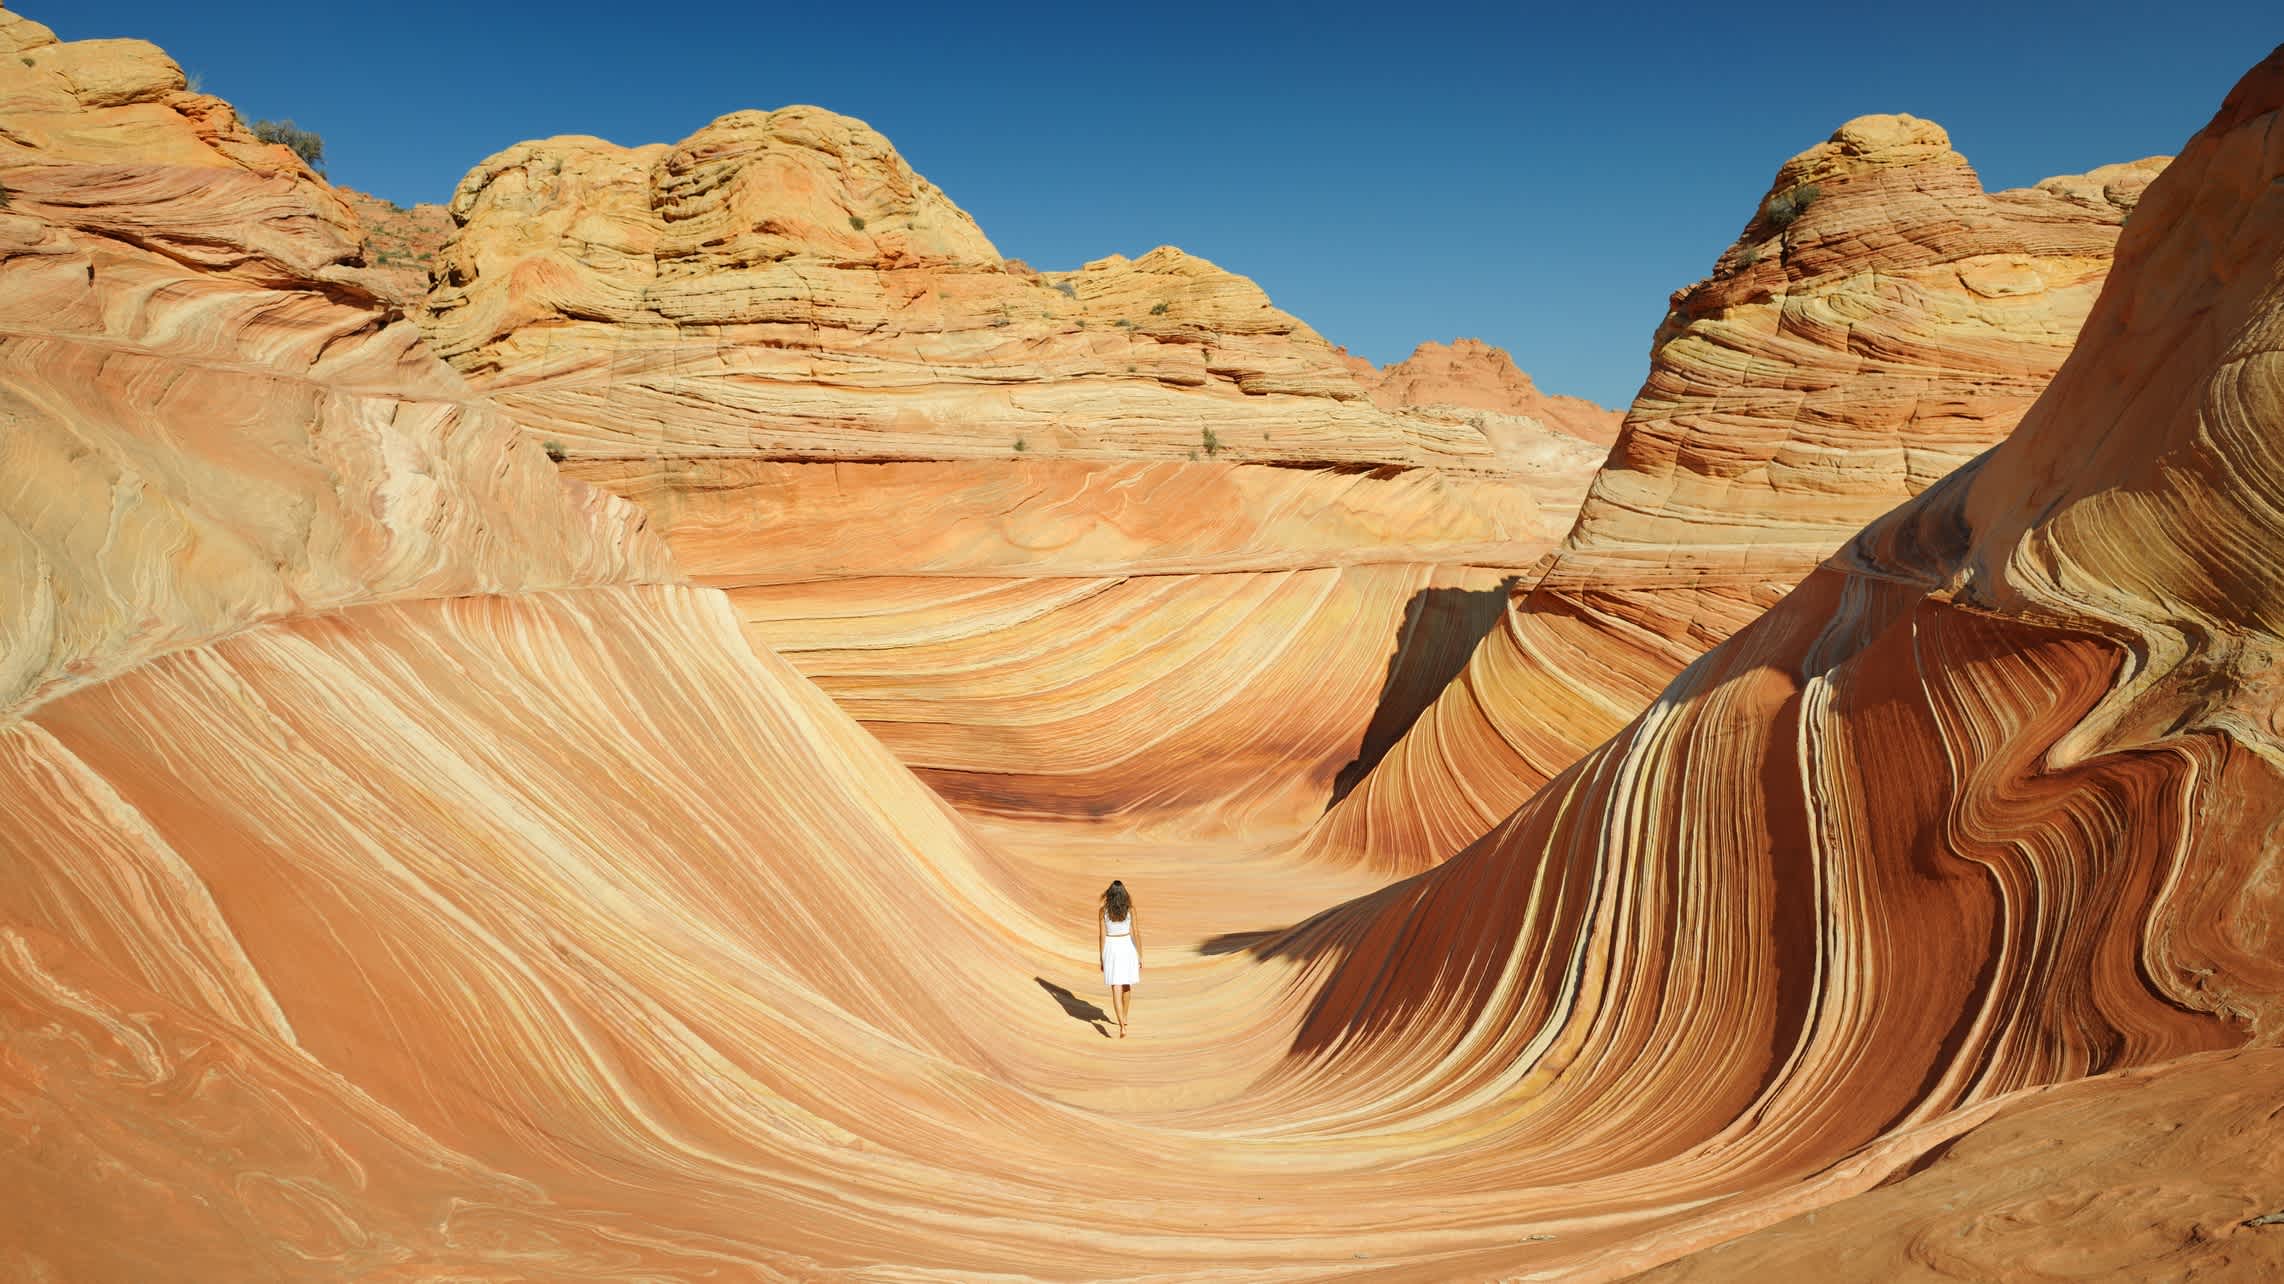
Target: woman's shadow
(1079, 1008)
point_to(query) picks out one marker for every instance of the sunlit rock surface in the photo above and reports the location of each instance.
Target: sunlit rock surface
(1881, 320)
(783, 284)
(462, 926)
(1470, 375)
(1126, 543)
(2161, 1172)
(401, 242)
(1985, 804)
(208, 419)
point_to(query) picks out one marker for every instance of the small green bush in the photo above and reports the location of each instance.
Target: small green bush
(856, 222)
(1158, 311)
(1211, 441)
(294, 138)
(1021, 445)
(1782, 210)
(555, 451)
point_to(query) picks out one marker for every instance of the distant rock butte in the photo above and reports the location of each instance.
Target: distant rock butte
(1470, 374)
(401, 242)
(782, 284)
(1880, 321)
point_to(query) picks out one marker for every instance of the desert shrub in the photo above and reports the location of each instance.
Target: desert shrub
(301, 142)
(1751, 256)
(1158, 311)
(856, 222)
(1069, 291)
(555, 451)
(1211, 441)
(1784, 208)
(1021, 445)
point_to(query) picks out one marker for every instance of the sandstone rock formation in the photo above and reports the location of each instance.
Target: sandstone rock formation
(782, 284)
(1880, 321)
(449, 901)
(1169, 506)
(210, 421)
(401, 242)
(1470, 374)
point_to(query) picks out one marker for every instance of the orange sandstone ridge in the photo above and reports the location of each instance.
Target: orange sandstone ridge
(1880, 321)
(1126, 543)
(782, 284)
(1470, 374)
(450, 899)
(401, 242)
(1976, 809)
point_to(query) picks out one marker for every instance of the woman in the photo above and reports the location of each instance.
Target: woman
(1119, 939)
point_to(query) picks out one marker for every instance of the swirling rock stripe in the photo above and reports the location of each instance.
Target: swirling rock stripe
(205, 420)
(1172, 704)
(1206, 646)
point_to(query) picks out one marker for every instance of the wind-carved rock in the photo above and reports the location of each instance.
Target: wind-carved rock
(208, 417)
(438, 902)
(782, 284)
(1986, 803)
(1192, 551)
(1471, 375)
(1879, 322)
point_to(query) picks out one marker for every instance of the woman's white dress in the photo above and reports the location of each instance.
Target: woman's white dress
(1120, 964)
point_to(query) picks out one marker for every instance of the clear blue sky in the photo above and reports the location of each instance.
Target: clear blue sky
(1541, 178)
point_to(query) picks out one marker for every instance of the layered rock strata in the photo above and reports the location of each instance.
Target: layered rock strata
(1981, 806)
(783, 284)
(1880, 321)
(824, 383)
(211, 419)
(1471, 375)
(402, 242)
(549, 928)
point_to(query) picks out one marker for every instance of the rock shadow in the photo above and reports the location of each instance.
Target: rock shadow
(1440, 631)
(1329, 931)
(1077, 1008)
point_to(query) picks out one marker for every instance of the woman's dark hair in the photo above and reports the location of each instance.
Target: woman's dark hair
(1116, 903)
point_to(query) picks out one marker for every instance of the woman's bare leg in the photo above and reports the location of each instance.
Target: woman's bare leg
(1125, 1005)
(1117, 1013)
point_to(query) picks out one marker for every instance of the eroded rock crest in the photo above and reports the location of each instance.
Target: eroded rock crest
(1880, 321)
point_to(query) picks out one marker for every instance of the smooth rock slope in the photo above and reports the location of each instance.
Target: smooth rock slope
(461, 897)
